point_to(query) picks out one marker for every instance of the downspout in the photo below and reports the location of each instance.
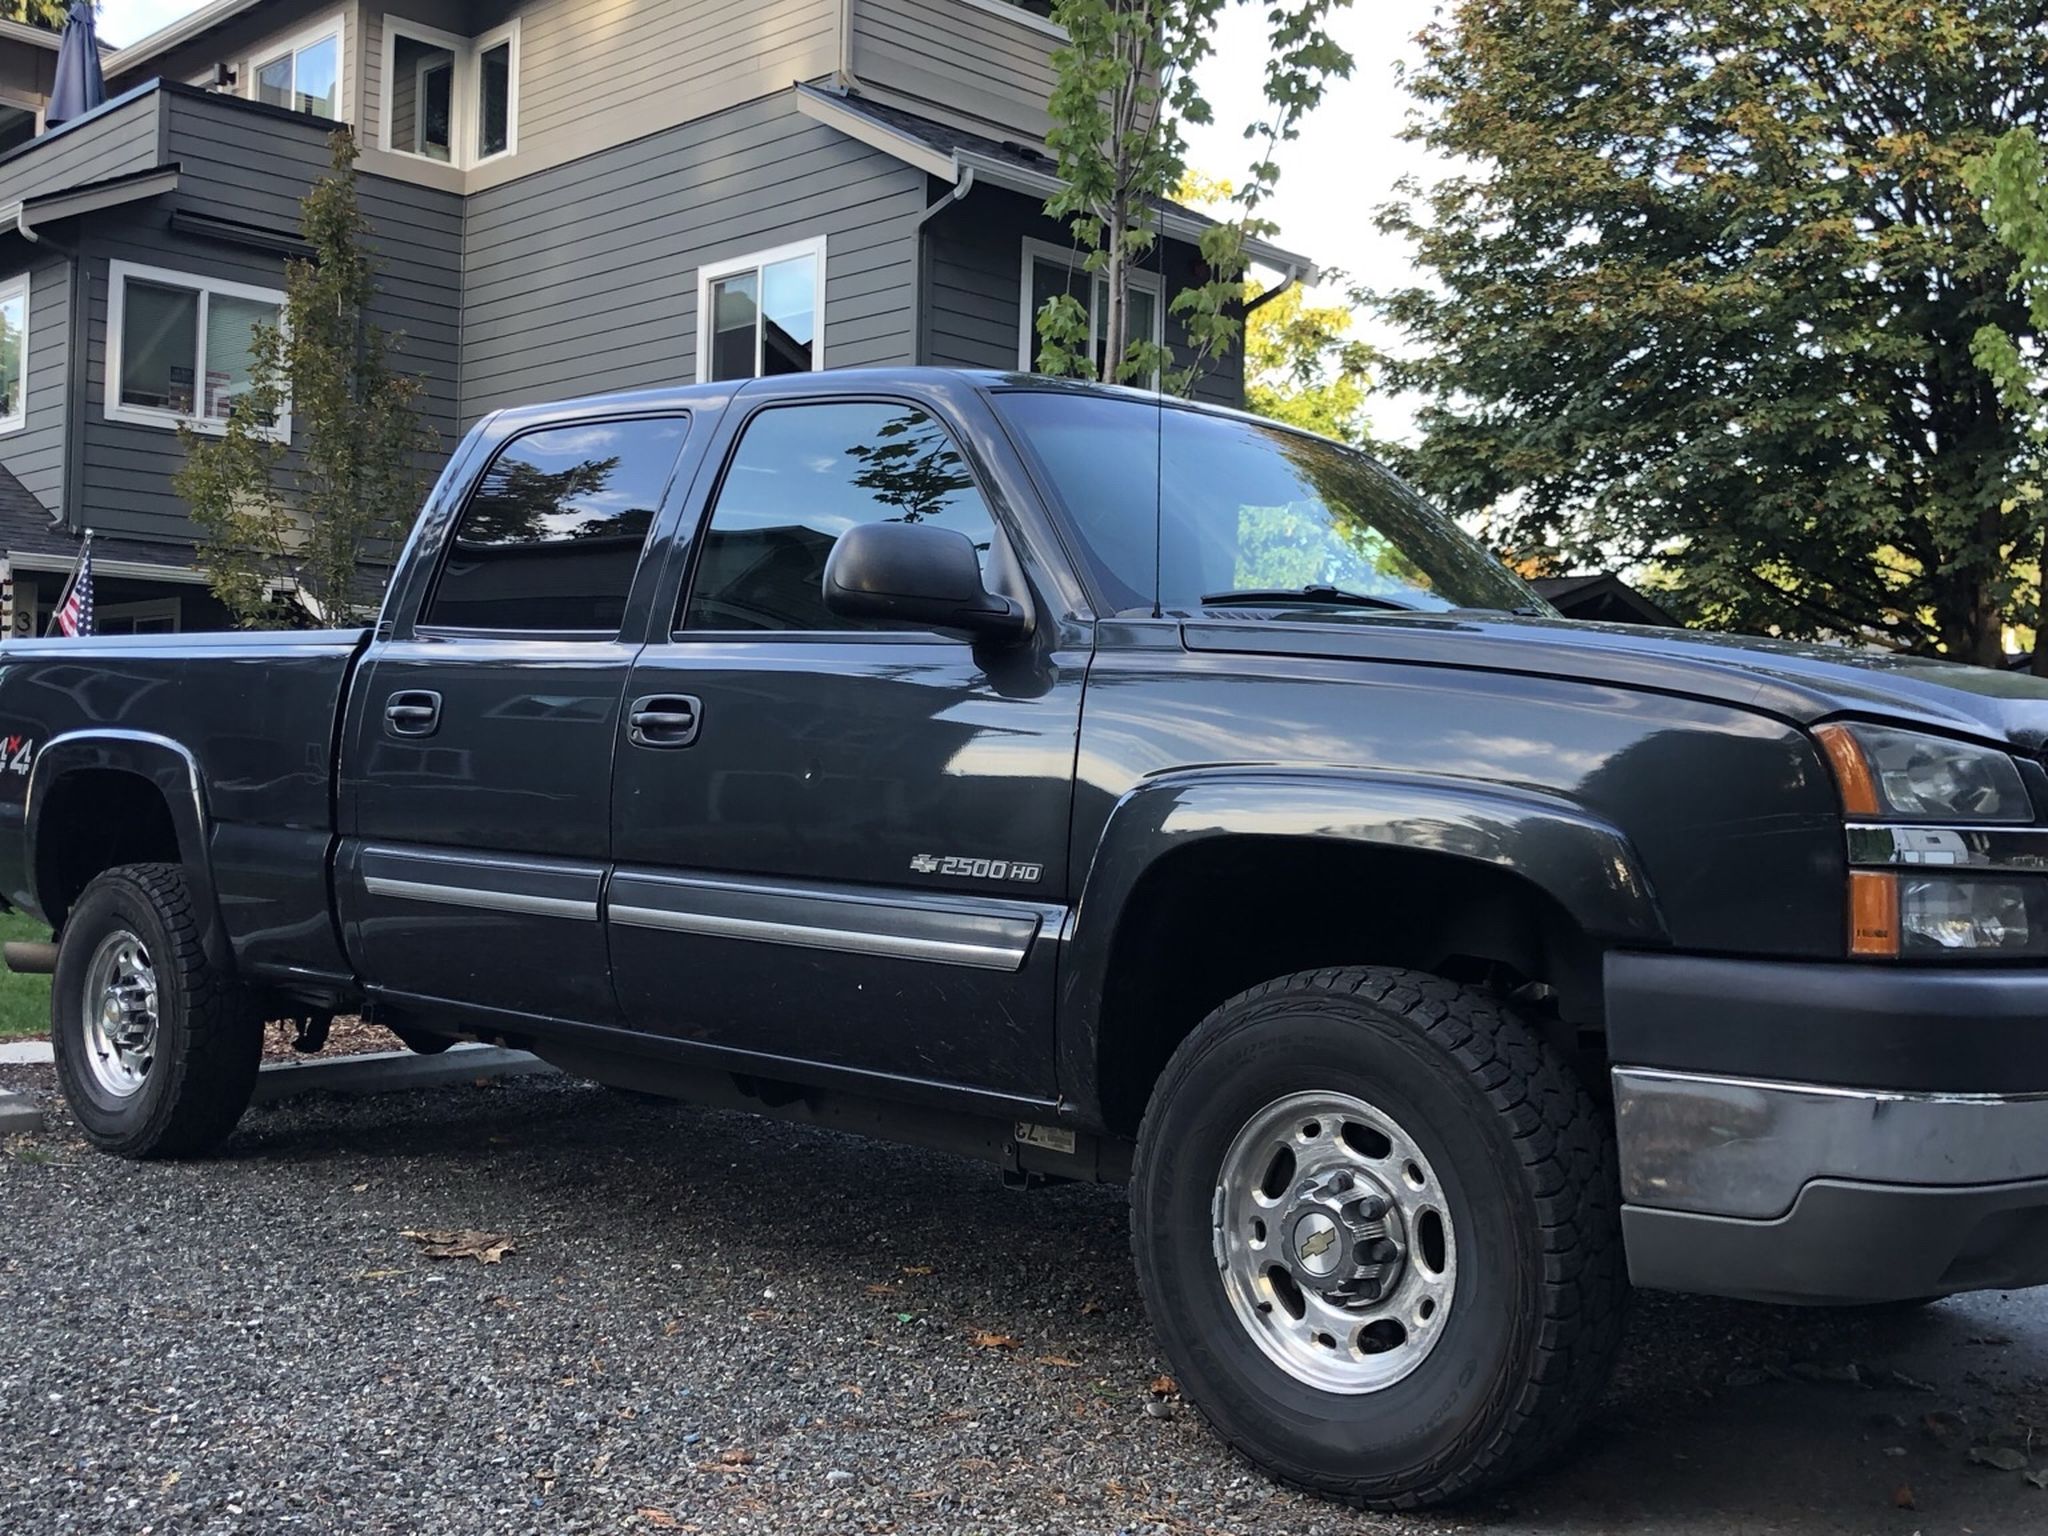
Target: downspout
(962, 185)
(1291, 280)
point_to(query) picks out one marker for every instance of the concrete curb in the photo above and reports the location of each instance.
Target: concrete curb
(19, 1116)
(25, 1053)
(392, 1071)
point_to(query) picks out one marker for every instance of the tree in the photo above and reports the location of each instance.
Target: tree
(38, 13)
(1303, 366)
(321, 518)
(1704, 294)
(2012, 178)
(1124, 82)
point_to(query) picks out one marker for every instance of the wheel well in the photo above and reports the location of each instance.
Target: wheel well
(1211, 920)
(94, 820)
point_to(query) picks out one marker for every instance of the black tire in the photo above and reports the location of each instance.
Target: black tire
(208, 1040)
(421, 1043)
(1526, 1165)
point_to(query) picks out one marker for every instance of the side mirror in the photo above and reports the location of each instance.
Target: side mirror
(915, 573)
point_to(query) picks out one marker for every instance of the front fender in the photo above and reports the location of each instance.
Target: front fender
(162, 762)
(1582, 863)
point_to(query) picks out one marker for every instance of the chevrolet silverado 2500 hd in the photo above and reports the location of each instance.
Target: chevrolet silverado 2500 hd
(1115, 790)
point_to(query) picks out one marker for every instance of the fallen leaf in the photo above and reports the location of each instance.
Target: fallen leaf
(736, 1457)
(1165, 1386)
(1902, 1497)
(382, 1274)
(762, 1315)
(1091, 1309)
(671, 1328)
(2038, 1479)
(882, 1288)
(1061, 1361)
(660, 1518)
(170, 1479)
(2003, 1457)
(985, 1340)
(917, 1269)
(484, 1247)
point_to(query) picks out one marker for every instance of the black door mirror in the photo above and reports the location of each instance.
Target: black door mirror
(915, 573)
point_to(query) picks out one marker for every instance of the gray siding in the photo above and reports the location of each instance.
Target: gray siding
(973, 285)
(595, 74)
(417, 233)
(970, 64)
(35, 454)
(119, 140)
(585, 278)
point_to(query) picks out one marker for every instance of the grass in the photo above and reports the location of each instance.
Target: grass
(24, 1000)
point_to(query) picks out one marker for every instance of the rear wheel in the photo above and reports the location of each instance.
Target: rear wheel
(1375, 1220)
(156, 1049)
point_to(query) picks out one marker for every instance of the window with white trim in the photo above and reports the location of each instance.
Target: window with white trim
(763, 314)
(449, 98)
(1051, 270)
(14, 353)
(302, 73)
(180, 347)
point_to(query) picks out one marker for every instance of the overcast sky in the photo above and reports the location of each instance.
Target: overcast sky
(1343, 166)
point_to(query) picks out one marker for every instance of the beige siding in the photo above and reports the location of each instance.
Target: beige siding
(970, 64)
(599, 73)
(251, 37)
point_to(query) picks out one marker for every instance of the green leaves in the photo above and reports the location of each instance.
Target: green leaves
(1703, 296)
(1124, 83)
(325, 519)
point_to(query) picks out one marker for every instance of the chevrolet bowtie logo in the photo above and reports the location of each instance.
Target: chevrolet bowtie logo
(1320, 1244)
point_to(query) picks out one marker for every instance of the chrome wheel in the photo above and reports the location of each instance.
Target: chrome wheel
(119, 1002)
(1336, 1246)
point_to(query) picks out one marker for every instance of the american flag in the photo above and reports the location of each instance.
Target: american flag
(74, 614)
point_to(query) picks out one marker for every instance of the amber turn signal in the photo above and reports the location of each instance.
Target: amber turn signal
(1853, 777)
(1873, 913)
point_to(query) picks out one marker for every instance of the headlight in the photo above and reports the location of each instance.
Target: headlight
(1903, 776)
(1927, 916)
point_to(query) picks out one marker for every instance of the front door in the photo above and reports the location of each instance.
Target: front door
(836, 844)
(483, 732)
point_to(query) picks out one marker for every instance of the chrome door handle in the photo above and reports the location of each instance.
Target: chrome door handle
(664, 720)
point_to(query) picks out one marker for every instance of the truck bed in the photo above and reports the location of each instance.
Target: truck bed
(259, 710)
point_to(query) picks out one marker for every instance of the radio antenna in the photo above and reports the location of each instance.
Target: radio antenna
(1159, 421)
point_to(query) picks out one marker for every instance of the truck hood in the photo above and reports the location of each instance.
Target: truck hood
(1802, 683)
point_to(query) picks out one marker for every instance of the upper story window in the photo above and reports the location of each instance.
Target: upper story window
(762, 314)
(302, 73)
(180, 347)
(21, 119)
(449, 98)
(1039, 12)
(801, 476)
(552, 533)
(14, 353)
(1050, 270)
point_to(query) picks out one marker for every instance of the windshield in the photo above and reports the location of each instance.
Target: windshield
(1246, 507)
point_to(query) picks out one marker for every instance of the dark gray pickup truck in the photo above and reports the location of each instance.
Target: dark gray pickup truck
(1114, 790)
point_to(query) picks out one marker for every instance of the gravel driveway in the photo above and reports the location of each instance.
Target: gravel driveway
(715, 1323)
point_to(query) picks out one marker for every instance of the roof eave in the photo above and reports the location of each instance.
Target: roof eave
(183, 30)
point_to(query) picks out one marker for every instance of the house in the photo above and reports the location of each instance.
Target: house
(568, 196)
(1600, 596)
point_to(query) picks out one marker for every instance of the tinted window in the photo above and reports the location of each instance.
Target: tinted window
(553, 531)
(803, 475)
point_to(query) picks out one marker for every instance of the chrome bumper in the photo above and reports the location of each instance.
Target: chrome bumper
(1733, 1147)
(1794, 1192)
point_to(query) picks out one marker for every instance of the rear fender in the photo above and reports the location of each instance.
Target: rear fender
(1583, 864)
(161, 762)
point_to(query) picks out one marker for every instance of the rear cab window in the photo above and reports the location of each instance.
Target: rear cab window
(553, 530)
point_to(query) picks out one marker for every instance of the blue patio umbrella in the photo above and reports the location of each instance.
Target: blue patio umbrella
(80, 86)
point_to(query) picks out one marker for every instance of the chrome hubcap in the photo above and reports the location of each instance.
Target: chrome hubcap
(1334, 1242)
(120, 1014)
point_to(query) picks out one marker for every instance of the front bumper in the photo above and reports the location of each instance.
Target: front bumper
(1835, 1177)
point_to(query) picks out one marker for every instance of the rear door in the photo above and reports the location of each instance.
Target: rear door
(842, 844)
(478, 766)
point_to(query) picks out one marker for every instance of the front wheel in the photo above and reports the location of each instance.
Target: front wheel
(156, 1049)
(1375, 1222)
